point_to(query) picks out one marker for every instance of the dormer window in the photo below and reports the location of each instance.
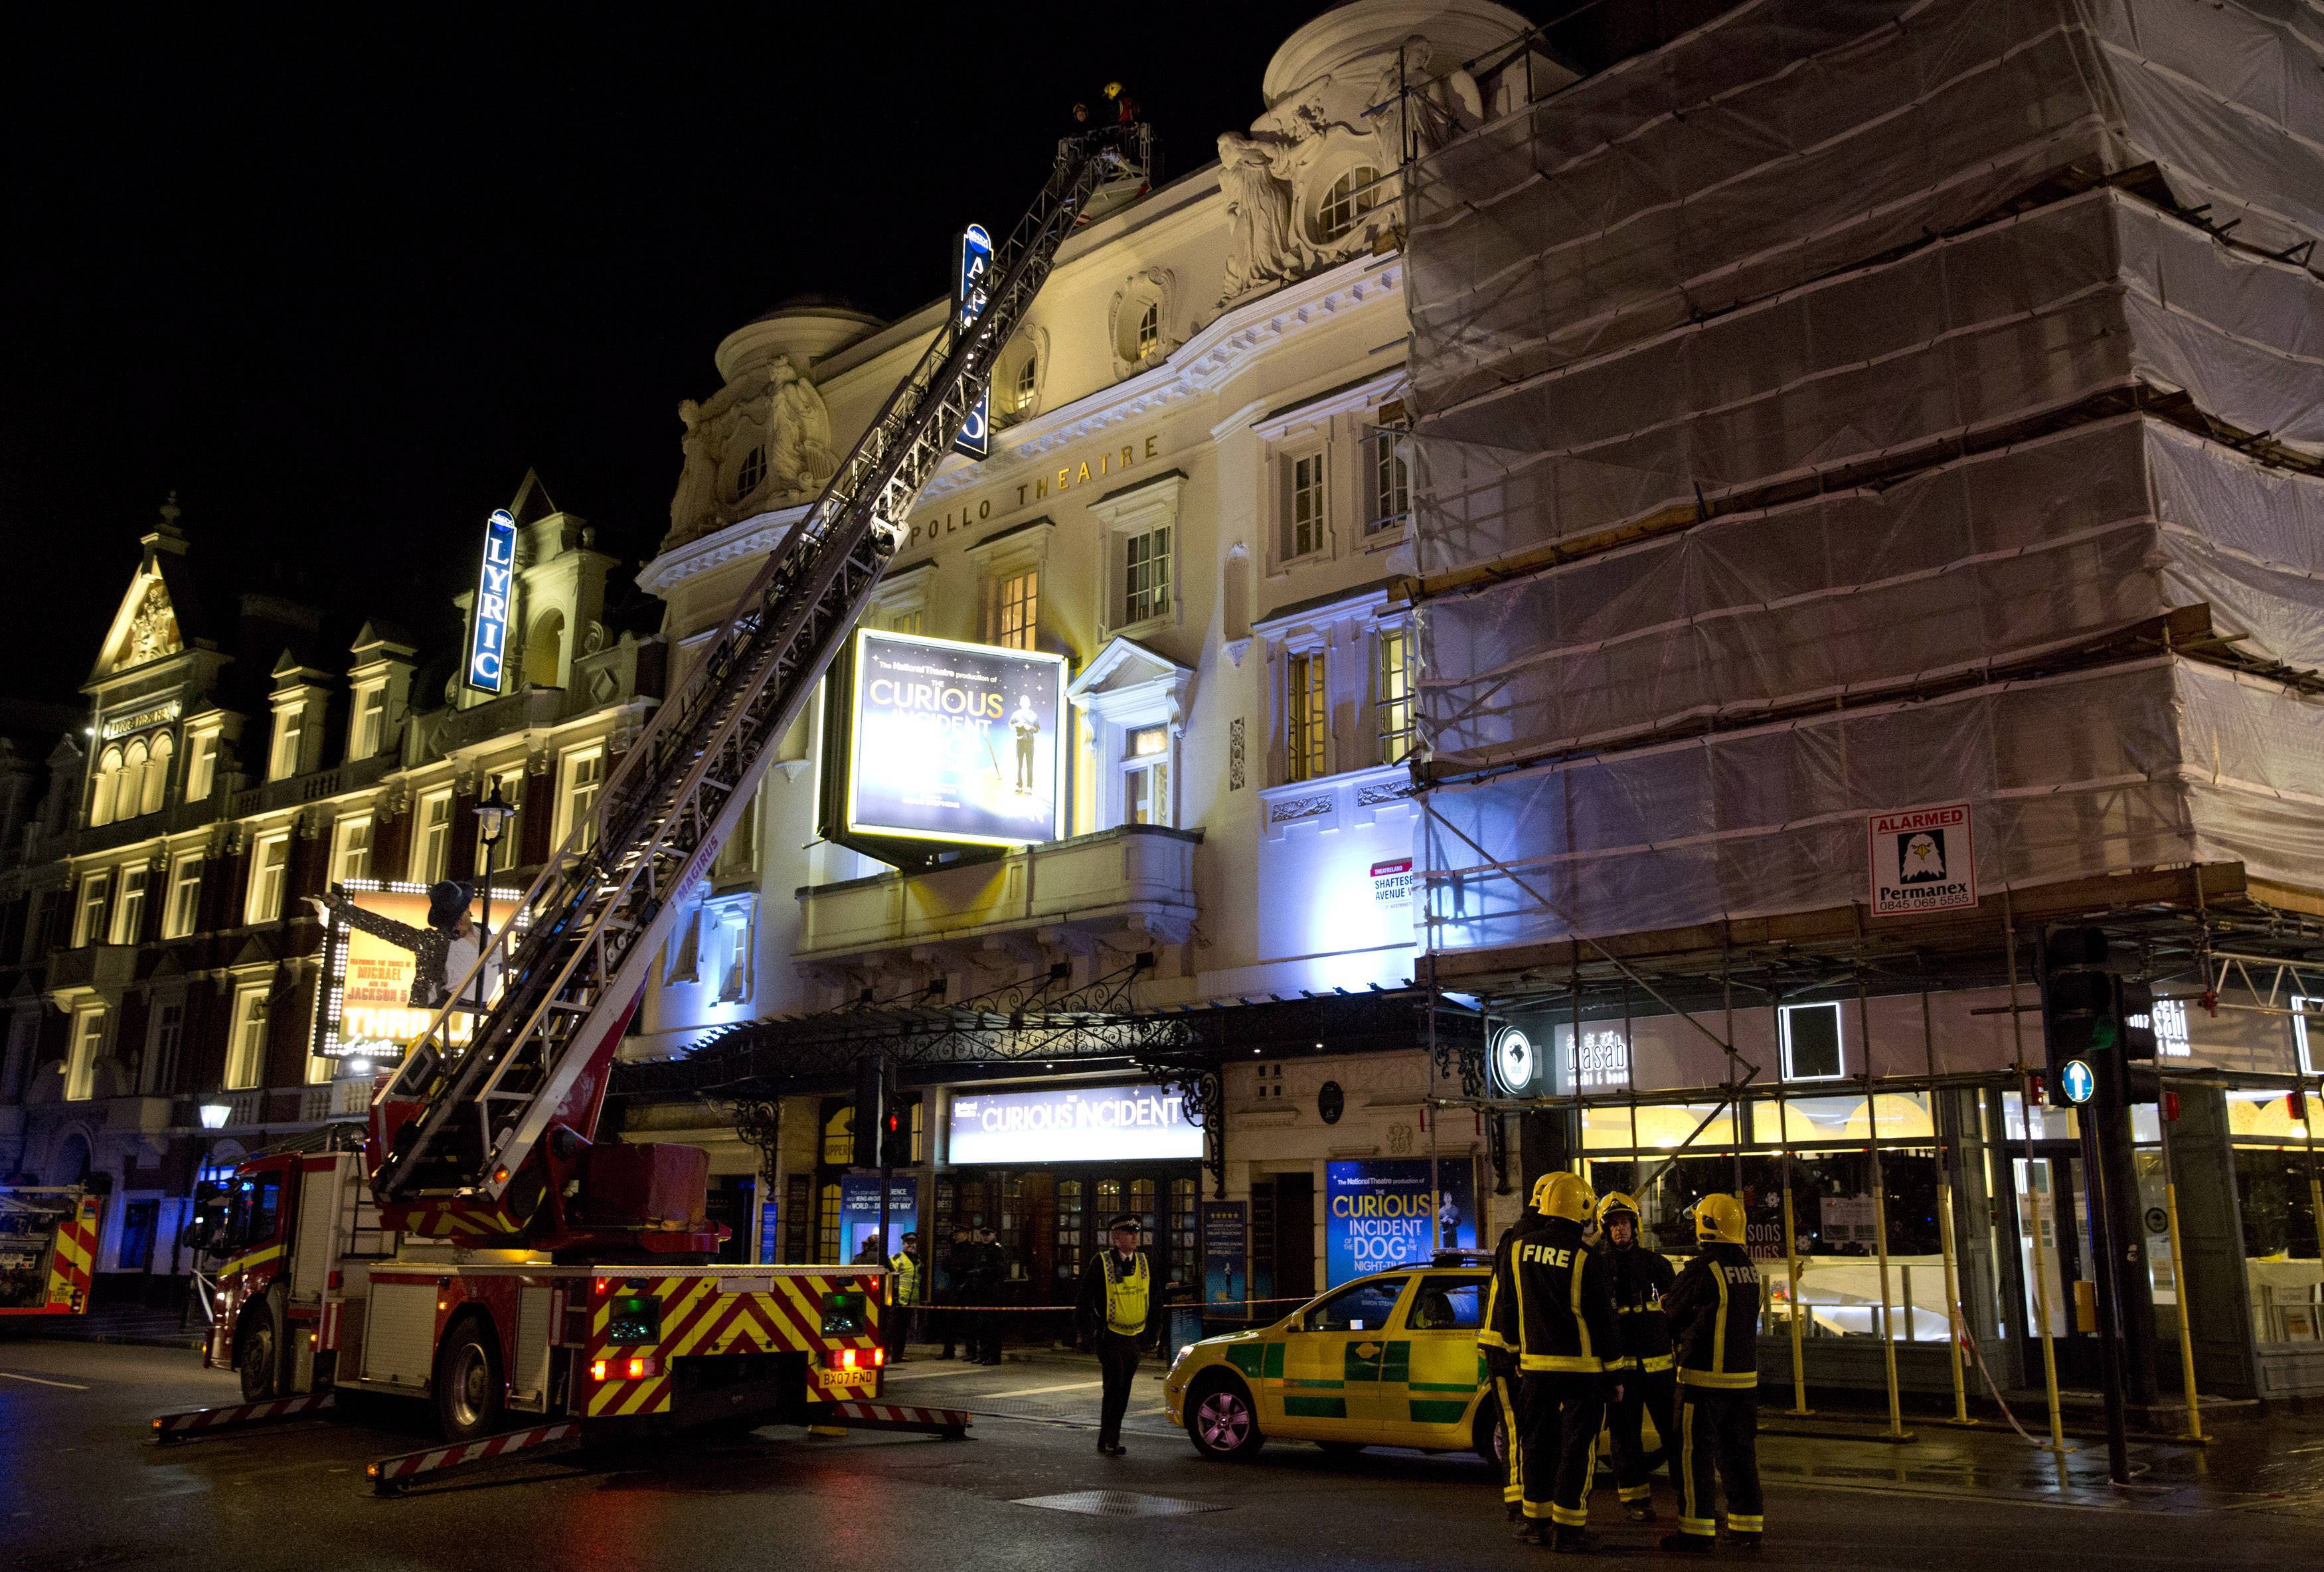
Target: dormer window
(370, 721)
(1149, 328)
(290, 725)
(754, 471)
(1350, 196)
(1027, 385)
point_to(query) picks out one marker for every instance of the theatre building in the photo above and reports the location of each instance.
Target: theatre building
(1103, 831)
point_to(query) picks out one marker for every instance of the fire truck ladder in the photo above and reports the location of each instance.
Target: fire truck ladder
(605, 903)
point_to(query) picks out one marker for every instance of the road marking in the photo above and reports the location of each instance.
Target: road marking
(43, 1380)
(1036, 1391)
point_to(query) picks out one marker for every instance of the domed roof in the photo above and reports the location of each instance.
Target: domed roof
(805, 327)
(1461, 29)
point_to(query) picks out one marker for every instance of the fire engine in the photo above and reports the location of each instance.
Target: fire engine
(484, 1249)
(48, 1249)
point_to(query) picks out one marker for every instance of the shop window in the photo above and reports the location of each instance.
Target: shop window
(1145, 776)
(1307, 717)
(1361, 1307)
(432, 846)
(184, 910)
(1830, 1120)
(1812, 1042)
(1392, 702)
(129, 911)
(2278, 1209)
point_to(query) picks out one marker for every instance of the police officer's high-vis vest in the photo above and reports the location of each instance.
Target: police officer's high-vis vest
(1127, 1295)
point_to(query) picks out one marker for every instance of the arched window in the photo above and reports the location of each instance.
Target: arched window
(1028, 383)
(1149, 328)
(129, 782)
(754, 471)
(544, 650)
(100, 796)
(157, 774)
(1351, 196)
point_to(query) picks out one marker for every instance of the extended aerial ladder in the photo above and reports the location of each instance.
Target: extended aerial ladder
(482, 1139)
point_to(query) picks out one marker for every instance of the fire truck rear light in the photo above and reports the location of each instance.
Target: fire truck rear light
(858, 1358)
(643, 1367)
(500, 1176)
(879, 1358)
(597, 1370)
(443, 1304)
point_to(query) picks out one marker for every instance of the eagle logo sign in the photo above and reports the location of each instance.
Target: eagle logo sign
(1921, 856)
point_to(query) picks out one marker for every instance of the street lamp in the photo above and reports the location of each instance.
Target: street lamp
(492, 816)
(215, 1114)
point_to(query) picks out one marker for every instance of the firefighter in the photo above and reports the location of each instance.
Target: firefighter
(1550, 1306)
(1638, 1278)
(1714, 1313)
(1501, 1362)
(1117, 1300)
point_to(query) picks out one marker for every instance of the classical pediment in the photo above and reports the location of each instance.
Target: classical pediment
(146, 628)
(1127, 676)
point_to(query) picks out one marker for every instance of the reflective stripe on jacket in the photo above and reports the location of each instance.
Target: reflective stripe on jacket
(1714, 1311)
(1549, 1305)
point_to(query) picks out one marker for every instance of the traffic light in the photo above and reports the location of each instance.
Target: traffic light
(870, 1083)
(895, 1135)
(2098, 1023)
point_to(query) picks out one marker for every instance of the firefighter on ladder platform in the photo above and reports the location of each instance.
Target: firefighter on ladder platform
(1714, 1311)
(1639, 1278)
(1549, 1306)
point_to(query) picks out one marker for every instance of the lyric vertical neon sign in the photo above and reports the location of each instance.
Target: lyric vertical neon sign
(488, 622)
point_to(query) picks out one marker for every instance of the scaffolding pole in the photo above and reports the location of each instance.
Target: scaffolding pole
(1956, 1317)
(2026, 1129)
(1897, 1431)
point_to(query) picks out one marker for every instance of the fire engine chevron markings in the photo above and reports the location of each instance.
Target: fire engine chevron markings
(179, 1427)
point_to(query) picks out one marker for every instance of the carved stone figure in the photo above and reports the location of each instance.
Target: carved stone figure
(698, 484)
(801, 459)
(1263, 247)
(154, 631)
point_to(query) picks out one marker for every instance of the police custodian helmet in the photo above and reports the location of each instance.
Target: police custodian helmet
(1719, 1218)
(1563, 1195)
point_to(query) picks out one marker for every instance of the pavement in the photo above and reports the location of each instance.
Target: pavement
(82, 1488)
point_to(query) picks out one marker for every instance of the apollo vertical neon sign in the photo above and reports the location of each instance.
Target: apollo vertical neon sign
(488, 620)
(975, 438)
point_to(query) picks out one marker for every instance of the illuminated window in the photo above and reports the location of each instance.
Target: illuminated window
(1303, 513)
(1183, 1209)
(1146, 575)
(201, 764)
(89, 912)
(245, 1053)
(1391, 490)
(270, 864)
(1351, 196)
(370, 721)
(1812, 1042)
(1149, 328)
(432, 845)
(1070, 1214)
(351, 849)
(2301, 1005)
(1308, 714)
(109, 783)
(828, 1224)
(130, 783)
(157, 775)
(1027, 385)
(754, 471)
(289, 727)
(1145, 776)
(1016, 607)
(734, 955)
(178, 919)
(1393, 685)
(87, 1042)
(583, 770)
(129, 911)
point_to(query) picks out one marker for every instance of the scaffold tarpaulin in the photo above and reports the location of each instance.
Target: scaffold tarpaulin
(1798, 403)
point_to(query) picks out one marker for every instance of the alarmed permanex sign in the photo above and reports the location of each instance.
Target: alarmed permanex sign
(488, 619)
(1921, 861)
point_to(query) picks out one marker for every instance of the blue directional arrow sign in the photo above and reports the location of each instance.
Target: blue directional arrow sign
(2077, 1081)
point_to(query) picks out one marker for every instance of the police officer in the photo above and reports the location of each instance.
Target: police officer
(1639, 1277)
(1552, 1309)
(908, 1279)
(1501, 1362)
(1116, 1299)
(1714, 1313)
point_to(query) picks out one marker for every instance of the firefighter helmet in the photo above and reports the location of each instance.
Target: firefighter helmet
(1719, 1218)
(1563, 1195)
(1614, 1204)
(1113, 89)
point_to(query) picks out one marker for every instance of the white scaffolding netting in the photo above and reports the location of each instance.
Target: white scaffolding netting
(1849, 355)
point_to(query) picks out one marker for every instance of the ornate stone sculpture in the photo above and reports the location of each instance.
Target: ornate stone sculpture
(801, 458)
(154, 631)
(1262, 248)
(698, 484)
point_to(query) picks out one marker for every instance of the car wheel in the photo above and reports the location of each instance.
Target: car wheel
(1222, 1420)
(1490, 1435)
(256, 1363)
(468, 1396)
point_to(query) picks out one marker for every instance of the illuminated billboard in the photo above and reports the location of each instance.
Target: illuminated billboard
(955, 742)
(367, 1010)
(1082, 1124)
(488, 619)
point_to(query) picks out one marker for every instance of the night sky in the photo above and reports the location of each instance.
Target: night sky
(340, 278)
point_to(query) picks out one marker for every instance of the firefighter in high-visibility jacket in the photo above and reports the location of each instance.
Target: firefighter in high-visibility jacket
(1638, 1278)
(1714, 1311)
(1501, 1363)
(1549, 1306)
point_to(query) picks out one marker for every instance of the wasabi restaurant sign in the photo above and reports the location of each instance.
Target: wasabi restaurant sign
(1384, 1213)
(488, 620)
(1082, 1124)
(956, 742)
(1921, 861)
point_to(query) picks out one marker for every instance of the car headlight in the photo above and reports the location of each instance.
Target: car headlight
(1176, 1364)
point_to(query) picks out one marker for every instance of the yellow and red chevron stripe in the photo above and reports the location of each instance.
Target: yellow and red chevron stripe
(453, 1219)
(706, 1315)
(74, 1259)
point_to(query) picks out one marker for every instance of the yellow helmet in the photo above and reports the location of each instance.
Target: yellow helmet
(1563, 1195)
(1615, 1202)
(1719, 1218)
(1113, 89)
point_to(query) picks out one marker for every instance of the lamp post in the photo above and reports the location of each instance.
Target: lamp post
(492, 816)
(214, 1117)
